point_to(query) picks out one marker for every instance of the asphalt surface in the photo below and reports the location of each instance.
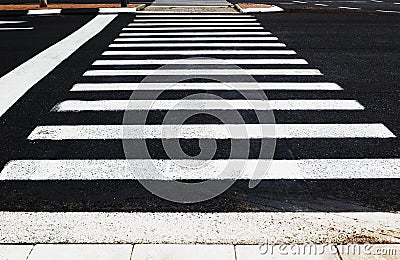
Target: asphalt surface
(357, 50)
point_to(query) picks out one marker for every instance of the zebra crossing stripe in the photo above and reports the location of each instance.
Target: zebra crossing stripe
(196, 24)
(11, 22)
(174, 39)
(192, 16)
(207, 131)
(200, 61)
(193, 28)
(207, 33)
(201, 52)
(122, 105)
(134, 169)
(308, 86)
(227, 72)
(166, 21)
(15, 28)
(197, 44)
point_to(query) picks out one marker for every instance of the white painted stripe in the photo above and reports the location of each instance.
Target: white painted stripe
(321, 5)
(11, 22)
(299, 2)
(122, 105)
(200, 61)
(178, 28)
(385, 11)
(310, 86)
(192, 16)
(116, 10)
(14, 84)
(204, 131)
(45, 11)
(195, 227)
(196, 24)
(376, 1)
(349, 8)
(198, 44)
(176, 39)
(226, 33)
(278, 72)
(153, 169)
(202, 52)
(15, 28)
(166, 21)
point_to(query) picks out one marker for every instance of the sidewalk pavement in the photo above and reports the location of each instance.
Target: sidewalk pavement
(199, 251)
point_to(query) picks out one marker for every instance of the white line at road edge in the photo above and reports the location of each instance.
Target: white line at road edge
(226, 228)
(209, 131)
(231, 169)
(198, 61)
(17, 82)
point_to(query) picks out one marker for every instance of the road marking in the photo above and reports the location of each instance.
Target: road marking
(349, 8)
(11, 22)
(174, 39)
(299, 2)
(227, 72)
(193, 16)
(376, 1)
(195, 24)
(384, 11)
(308, 86)
(200, 61)
(195, 20)
(116, 10)
(193, 28)
(123, 105)
(45, 12)
(159, 169)
(201, 52)
(16, 28)
(227, 33)
(321, 5)
(194, 227)
(17, 82)
(207, 131)
(198, 44)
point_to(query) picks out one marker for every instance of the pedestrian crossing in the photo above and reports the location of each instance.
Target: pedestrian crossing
(158, 39)
(11, 25)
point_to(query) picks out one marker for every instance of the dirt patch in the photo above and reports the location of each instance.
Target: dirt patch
(61, 6)
(244, 6)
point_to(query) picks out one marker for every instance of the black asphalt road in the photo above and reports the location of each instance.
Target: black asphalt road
(359, 51)
(17, 46)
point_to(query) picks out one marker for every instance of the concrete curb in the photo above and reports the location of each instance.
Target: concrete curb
(199, 251)
(271, 9)
(72, 11)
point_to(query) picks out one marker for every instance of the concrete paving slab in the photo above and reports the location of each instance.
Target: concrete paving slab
(15, 252)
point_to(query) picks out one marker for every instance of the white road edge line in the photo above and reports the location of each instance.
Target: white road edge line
(349, 8)
(140, 105)
(209, 131)
(16, 83)
(178, 28)
(195, 227)
(160, 169)
(310, 86)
